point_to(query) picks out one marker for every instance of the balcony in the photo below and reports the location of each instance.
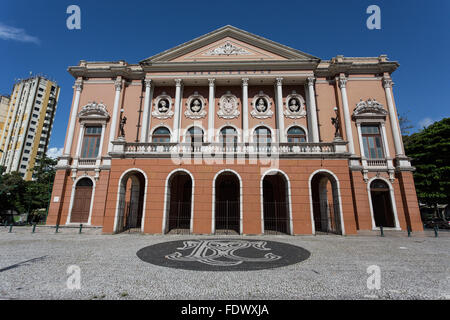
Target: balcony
(204, 149)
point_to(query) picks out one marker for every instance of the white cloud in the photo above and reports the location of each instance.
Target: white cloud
(54, 152)
(11, 33)
(425, 122)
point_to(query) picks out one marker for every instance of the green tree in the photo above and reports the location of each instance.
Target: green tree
(12, 190)
(430, 153)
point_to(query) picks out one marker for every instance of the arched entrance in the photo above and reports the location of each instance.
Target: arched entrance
(227, 203)
(383, 213)
(131, 202)
(179, 203)
(325, 203)
(276, 204)
(82, 201)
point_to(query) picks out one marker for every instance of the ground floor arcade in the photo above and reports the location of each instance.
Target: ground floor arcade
(295, 197)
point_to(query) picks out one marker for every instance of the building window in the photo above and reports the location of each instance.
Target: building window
(194, 134)
(372, 143)
(161, 135)
(262, 135)
(228, 135)
(296, 135)
(91, 142)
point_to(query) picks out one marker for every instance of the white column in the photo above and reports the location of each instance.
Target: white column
(146, 118)
(312, 110)
(80, 140)
(347, 120)
(281, 133)
(211, 110)
(115, 115)
(361, 145)
(245, 109)
(385, 143)
(176, 117)
(73, 117)
(387, 84)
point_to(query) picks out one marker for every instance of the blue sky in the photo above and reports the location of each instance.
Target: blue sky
(34, 37)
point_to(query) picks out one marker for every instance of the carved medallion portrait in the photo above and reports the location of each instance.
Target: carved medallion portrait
(261, 106)
(295, 106)
(163, 107)
(195, 106)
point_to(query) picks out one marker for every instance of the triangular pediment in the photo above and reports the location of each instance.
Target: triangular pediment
(229, 44)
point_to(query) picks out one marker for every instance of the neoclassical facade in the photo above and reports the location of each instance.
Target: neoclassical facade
(233, 133)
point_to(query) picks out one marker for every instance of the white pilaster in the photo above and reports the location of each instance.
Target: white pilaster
(211, 110)
(347, 119)
(80, 140)
(245, 109)
(176, 116)
(115, 115)
(387, 84)
(146, 118)
(73, 117)
(312, 110)
(280, 118)
(100, 149)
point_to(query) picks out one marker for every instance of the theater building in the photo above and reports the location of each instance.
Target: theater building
(233, 133)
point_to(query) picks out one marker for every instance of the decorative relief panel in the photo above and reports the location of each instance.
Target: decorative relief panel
(261, 106)
(163, 107)
(195, 106)
(228, 106)
(226, 50)
(295, 106)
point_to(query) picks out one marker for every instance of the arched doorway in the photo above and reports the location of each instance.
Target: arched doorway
(131, 202)
(326, 203)
(276, 204)
(179, 203)
(82, 201)
(383, 213)
(227, 204)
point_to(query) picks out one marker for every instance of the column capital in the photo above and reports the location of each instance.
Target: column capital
(178, 82)
(279, 81)
(211, 82)
(245, 81)
(79, 85)
(387, 82)
(118, 84)
(311, 81)
(342, 82)
(148, 83)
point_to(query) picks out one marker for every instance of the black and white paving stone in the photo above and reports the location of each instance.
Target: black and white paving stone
(124, 266)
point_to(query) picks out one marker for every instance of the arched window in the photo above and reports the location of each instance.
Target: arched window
(161, 134)
(296, 135)
(262, 135)
(194, 134)
(228, 135)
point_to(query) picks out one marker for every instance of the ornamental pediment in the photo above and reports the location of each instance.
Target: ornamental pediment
(228, 44)
(94, 110)
(369, 107)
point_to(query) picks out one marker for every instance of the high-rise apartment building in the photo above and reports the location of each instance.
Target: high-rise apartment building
(29, 121)
(4, 105)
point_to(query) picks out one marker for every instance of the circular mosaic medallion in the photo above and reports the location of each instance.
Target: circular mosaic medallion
(223, 254)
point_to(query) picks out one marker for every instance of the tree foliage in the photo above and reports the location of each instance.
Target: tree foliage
(430, 153)
(27, 196)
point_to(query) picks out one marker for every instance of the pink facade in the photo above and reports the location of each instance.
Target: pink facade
(232, 132)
